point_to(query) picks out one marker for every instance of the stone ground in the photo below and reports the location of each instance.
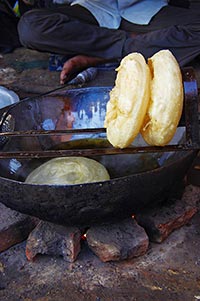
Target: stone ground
(169, 271)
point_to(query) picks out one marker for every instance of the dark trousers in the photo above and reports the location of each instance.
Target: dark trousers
(9, 39)
(73, 30)
(8, 33)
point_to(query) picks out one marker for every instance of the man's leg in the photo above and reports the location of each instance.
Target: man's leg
(56, 32)
(173, 28)
(166, 17)
(88, 44)
(59, 31)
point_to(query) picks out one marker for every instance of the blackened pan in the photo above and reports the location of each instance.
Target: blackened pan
(137, 180)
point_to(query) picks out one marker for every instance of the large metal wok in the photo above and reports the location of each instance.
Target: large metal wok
(137, 180)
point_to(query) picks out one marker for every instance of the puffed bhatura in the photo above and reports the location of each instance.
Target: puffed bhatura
(128, 101)
(166, 101)
(68, 171)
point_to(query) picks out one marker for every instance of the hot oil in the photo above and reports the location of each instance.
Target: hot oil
(116, 165)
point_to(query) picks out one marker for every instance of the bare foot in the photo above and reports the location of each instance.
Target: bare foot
(76, 64)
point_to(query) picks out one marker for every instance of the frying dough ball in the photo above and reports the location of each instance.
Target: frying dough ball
(68, 170)
(166, 101)
(128, 101)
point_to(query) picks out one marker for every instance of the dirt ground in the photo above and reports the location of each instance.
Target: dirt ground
(27, 73)
(167, 272)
